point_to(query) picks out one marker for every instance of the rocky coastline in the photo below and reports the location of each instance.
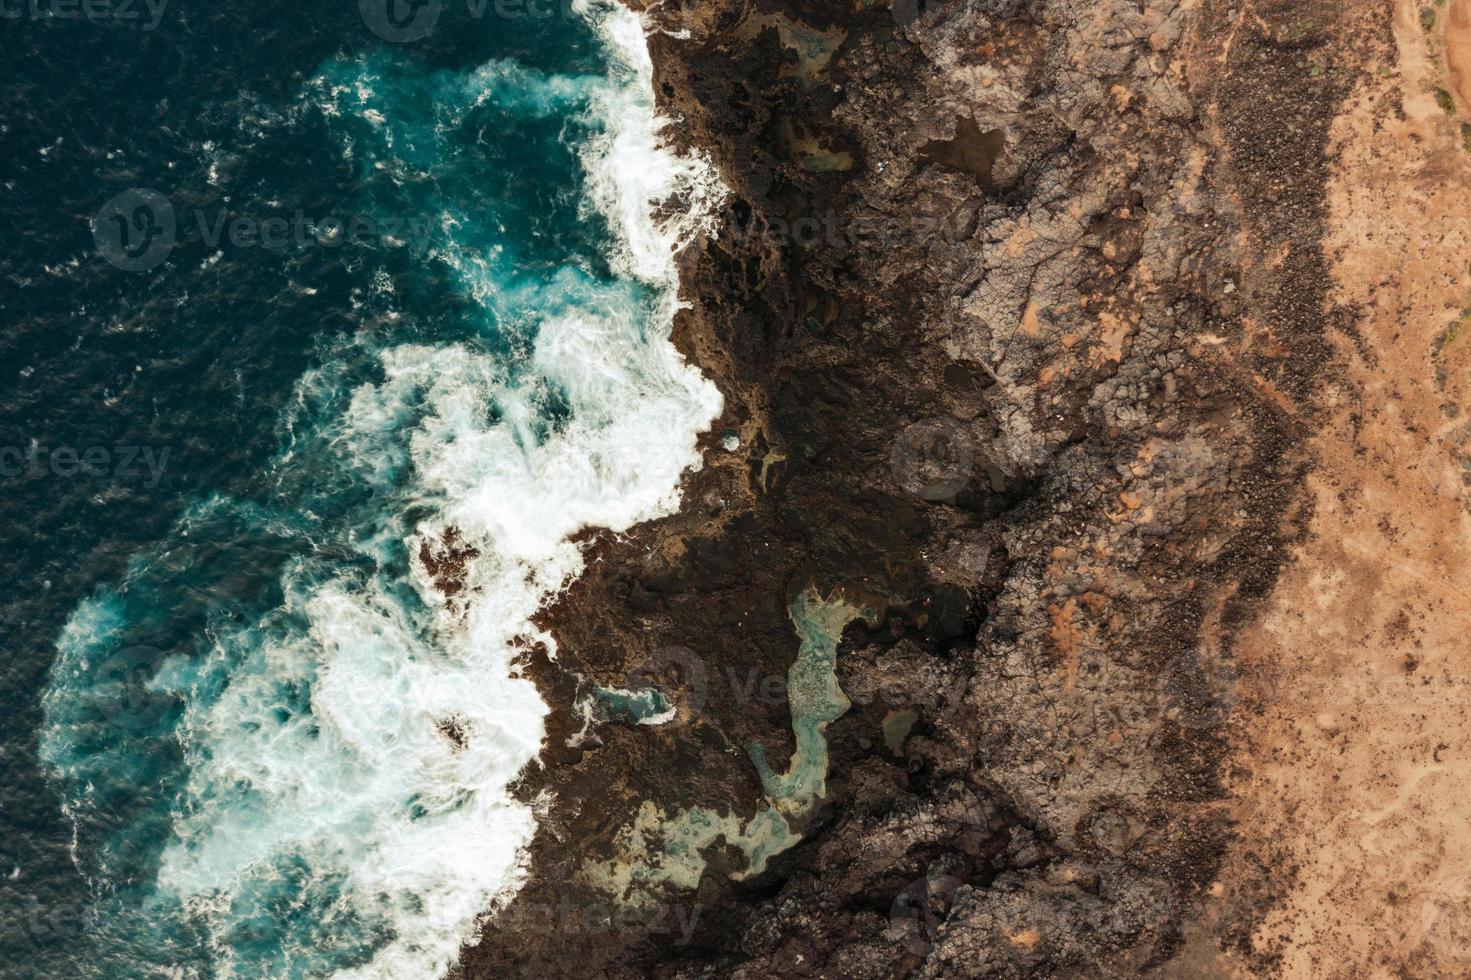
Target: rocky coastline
(1019, 311)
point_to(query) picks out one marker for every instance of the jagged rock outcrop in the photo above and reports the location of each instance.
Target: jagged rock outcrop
(1017, 308)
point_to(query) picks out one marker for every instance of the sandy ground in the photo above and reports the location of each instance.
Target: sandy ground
(1353, 781)
(1458, 49)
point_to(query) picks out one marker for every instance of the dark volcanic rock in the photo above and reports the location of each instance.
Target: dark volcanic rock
(1015, 307)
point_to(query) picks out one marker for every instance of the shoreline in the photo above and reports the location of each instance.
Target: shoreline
(1058, 601)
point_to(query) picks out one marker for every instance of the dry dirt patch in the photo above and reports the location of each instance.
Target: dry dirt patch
(1353, 781)
(1458, 48)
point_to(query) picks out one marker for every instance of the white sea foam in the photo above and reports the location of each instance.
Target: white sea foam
(364, 789)
(517, 493)
(630, 171)
(409, 834)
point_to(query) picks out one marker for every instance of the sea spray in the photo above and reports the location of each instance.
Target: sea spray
(630, 172)
(320, 786)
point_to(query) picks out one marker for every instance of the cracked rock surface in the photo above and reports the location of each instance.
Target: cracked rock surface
(1020, 310)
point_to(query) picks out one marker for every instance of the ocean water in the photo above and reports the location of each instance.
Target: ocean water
(326, 294)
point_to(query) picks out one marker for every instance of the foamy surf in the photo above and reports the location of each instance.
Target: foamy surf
(630, 172)
(329, 778)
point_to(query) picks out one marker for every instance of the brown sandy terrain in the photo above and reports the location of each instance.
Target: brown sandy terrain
(1458, 48)
(1353, 786)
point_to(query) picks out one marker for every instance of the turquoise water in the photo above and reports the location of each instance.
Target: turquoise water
(647, 706)
(815, 698)
(244, 719)
(658, 849)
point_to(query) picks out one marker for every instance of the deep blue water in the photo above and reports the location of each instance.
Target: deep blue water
(284, 301)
